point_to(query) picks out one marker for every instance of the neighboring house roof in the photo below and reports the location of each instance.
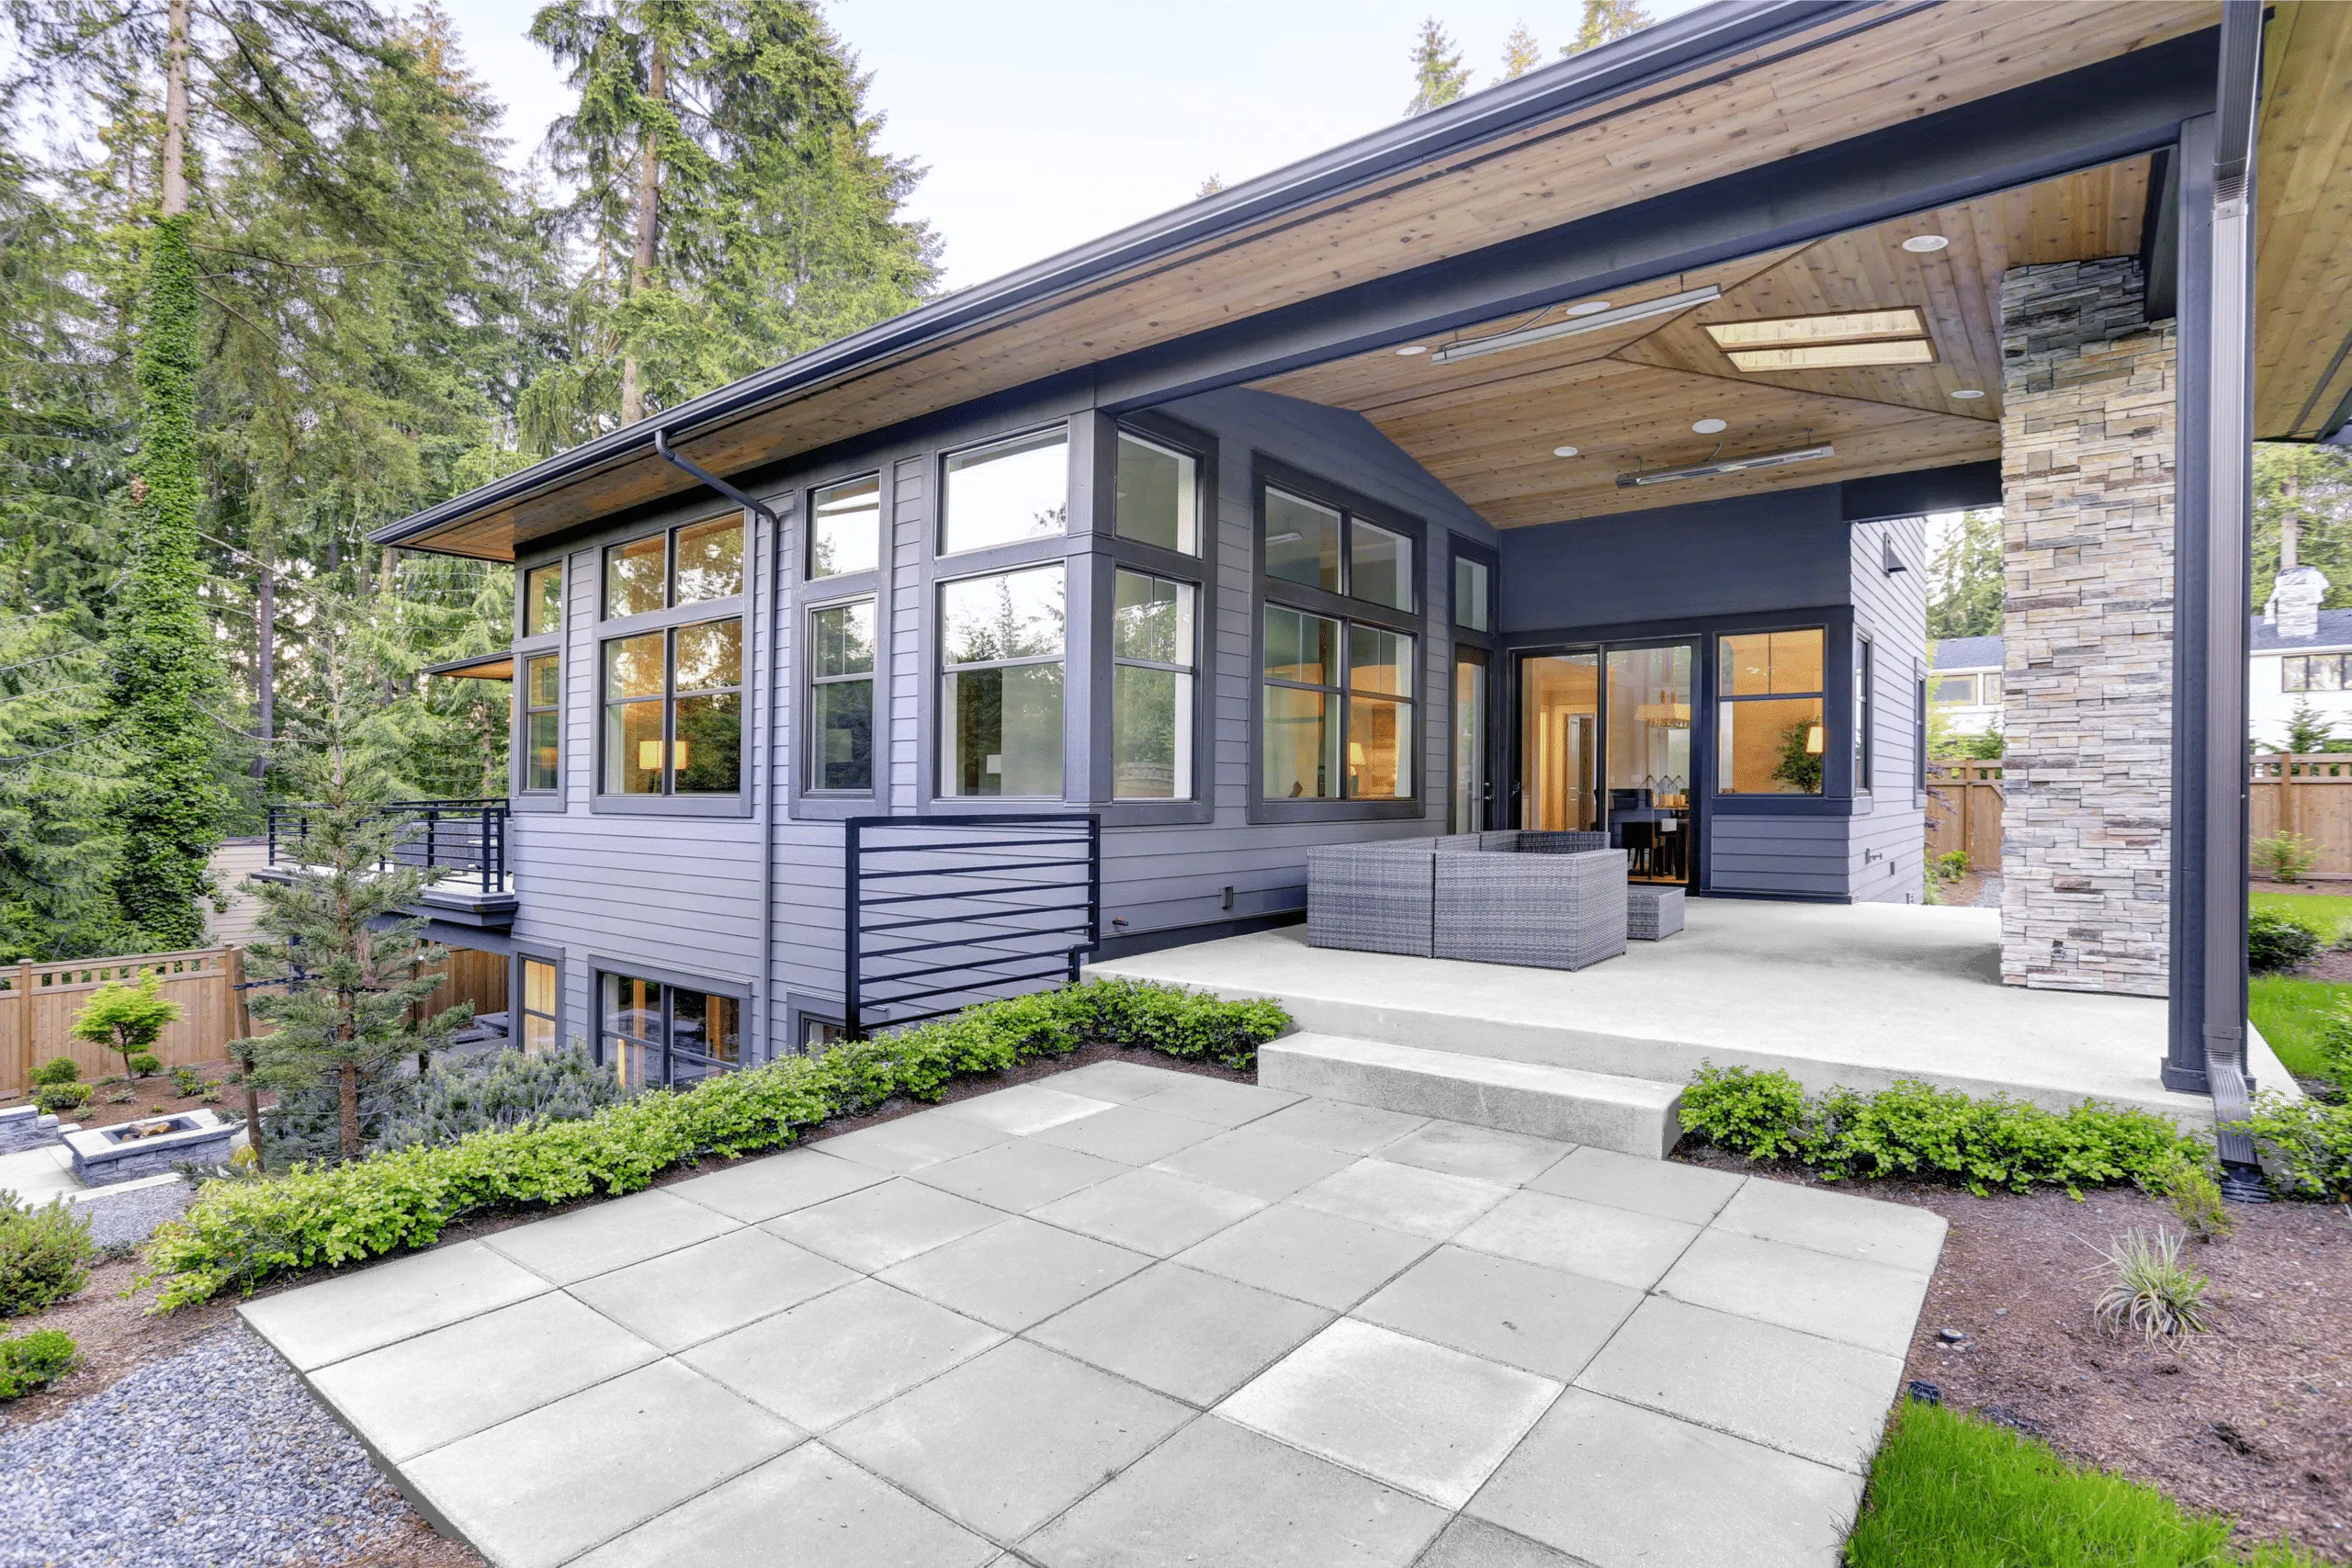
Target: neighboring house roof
(1967, 653)
(2334, 631)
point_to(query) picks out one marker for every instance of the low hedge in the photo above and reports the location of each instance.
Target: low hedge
(2309, 1143)
(239, 1234)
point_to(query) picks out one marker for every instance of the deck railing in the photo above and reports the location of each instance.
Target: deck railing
(466, 837)
(940, 912)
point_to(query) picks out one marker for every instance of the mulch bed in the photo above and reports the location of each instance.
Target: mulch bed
(155, 1096)
(2253, 1419)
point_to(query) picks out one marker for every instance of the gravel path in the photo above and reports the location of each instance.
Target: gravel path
(131, 1217)
(212, 1458)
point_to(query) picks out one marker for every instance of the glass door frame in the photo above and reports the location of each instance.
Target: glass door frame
(1488, 644)
(1701, 647)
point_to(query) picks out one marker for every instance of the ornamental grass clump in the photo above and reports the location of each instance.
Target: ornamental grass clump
(2150, 1289)
(240, 1233)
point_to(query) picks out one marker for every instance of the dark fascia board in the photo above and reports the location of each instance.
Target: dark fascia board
(498, 666)
(1665, 48)
(1922, 491)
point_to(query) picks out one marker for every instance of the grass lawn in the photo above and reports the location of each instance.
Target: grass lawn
(1951, 1491)
(2290, 1013)
(2326, 913)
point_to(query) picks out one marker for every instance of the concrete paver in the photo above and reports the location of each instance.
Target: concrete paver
(1015, 1273)
(1487, 1153)
(1151, 1211)
(1335, 1124)
(1261, 1164)
(1433, 1204)
(1542, 1319)
(1215, 1100)
(1869, 1304)
(910, 1142)
(1893, 1234)
(604, 1237)
(1473, 1543)
(1328, 1259)
(1617, 1244)
(1196, 1336)
(848, 1350)
(759, 1190)
(1126, 1082)
(1681, 1192)
(335, 1319)
(1019, 1176)
(1131, 1135)
(877, 1226)
(683, 1298)
(1026, 1108)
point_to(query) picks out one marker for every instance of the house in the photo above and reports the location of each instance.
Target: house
(1964, 683)
(1555, 458)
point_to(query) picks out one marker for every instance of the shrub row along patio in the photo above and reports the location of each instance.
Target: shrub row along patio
(1126, 1316)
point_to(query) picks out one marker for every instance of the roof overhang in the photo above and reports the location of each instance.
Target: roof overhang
(498, 666)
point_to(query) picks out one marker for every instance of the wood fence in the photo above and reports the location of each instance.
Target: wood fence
(1964, 813)
(38, 1001)
(2310, 795)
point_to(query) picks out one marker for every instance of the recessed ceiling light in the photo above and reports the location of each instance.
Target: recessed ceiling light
(1848, 326)
(1564, 451)
(1833, 355)
(1709, 426)
(1589, 308)
(1968, 392)
(1414, 348)
(1921, 244)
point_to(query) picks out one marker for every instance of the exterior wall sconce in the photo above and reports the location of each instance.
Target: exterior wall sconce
(1889, 562)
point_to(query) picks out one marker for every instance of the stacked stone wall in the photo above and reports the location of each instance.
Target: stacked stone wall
(2086, 477)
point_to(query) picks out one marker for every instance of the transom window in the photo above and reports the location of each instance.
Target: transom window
(1471, 587)
(1159, 495)
(841, 697)
(543, 599)
(673, 711)
(845, 528)
(689, 565)
(1771, 736)
(655, 1034)
(542, 722)
(1322, 546)
(1151, 698)
(1006, 492)
(2316, 672)
(1000, 642)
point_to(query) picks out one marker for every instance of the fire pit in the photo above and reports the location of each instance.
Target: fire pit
(103, 1156)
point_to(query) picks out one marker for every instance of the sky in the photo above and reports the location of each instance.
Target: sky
(1045, 123)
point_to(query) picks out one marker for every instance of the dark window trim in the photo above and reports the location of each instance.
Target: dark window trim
(799, 594)
(968, 566)
(604, 549)
(1265, 472)
(561, 562)
(516, 993)
(1864, 678)
(801, 1011)
(1836, 747)
(1920, 677)
(1072, 453)
(803, 569)
(1487, 643)
(519, 745)
(738, 991)
(737, 803)
(805, 735)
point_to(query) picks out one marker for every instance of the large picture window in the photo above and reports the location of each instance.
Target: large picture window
(673, 711)
(542, 722)
(841, 697)
(543, 599)
(1000, 641)
(845, 528)
(2314, 672)
(1007, 492)
(689, 565)
(655, 1034)
(1151, 698)
(1771, 735)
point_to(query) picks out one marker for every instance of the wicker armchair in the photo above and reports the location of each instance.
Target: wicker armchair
(1543, 910)
(1372, 897)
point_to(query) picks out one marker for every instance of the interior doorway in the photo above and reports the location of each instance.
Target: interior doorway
(1604, 744)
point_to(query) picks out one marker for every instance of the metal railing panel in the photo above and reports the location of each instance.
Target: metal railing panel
(468, 837)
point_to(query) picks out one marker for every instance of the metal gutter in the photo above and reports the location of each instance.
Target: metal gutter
(1663, 49)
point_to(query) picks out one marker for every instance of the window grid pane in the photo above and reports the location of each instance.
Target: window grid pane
(845, 531)
(1470, 593)
(841, 697)
(710, 561)
(1302, 542)
(1001, 684)
(1151, 688)
(1002, 494)
(636, 574)
(1158, 498)
(1380, 565)
(543, 599)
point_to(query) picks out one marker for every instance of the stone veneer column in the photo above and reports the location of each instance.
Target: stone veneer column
(2087, 488)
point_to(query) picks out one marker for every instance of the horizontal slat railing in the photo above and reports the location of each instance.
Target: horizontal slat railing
(940, 912)
(465, 836)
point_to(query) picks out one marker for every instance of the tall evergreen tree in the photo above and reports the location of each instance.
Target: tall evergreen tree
(2302, 516)
(1605, 21)
(729, 205)
(1438, 75)
(1522, 53)
(1965, 579)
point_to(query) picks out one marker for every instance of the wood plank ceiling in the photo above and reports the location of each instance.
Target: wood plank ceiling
(2302, 351)
(1626, 399)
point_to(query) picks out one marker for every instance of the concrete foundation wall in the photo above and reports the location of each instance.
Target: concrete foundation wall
(2086, 468)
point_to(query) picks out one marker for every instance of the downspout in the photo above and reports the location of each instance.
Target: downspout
(763, 740)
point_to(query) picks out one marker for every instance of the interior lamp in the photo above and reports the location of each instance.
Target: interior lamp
(649, 756)
(1355, 753)
(1813, 741)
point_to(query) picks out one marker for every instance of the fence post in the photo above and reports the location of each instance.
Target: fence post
(26, 1055)
(233, 969)
(1967, 817)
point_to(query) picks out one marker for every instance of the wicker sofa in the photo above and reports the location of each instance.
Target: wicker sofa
(1545, 900)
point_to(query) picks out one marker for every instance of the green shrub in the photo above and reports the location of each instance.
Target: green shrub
(58, 1069)
(2150, 1289)
(2310, 1143)
(2285, 857)
(1761, 1115)
(239, 1234)
(145, 1065)
(2194, 1193)
(59, 1097)
(2334, 1046)
(45, 1255)
(2275, 943)
(187, 1082)
(28, 1362)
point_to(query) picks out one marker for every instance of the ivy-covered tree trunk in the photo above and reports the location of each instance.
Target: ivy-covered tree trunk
(160, 651)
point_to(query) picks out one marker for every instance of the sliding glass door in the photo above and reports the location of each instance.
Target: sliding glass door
(1559, 733)
(1604, 743)
(1470, 789)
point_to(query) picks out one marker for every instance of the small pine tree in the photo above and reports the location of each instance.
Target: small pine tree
(1606, 21)
(2308, 729)
(1522, 53)
(1209, 188)
(127, 1019)
(338, 936)
(1438, 75)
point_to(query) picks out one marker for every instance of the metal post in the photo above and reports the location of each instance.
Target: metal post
(432, 848)
(853, 1026)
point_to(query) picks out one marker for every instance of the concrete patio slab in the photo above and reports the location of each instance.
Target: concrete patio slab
(1403, 1197)
(1129, 1134)
(1844, 1299)
(1841, 1223)
(877, 1226)
(1334, 1124)
(1653, 1490)
(370, 1307)
(1215, 1100)
(1671, 1191)
(756, 1190)
(1196, 1336)
(1257, 1163)
(1490, 1154)
(1010, 1437)
(1020, 1175)
(910, 1142)
(612, 1234)
(1474, 1544)
(1593, 1239)
(1123, 1081)
(1544, 1320)
(1025, 1108)
(1313, 1257)
(1803, 1394)
(438, 1387)
(1015, 1273)
(825, 1361)
(540, 1489)
(711, 1288)
(1219, 1494)
(1151, 1211)
(1431, 1420)
(811, 1508)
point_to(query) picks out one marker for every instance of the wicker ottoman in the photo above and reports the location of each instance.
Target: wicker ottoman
(1653, 912)
(1372, 897)
(1547, 911)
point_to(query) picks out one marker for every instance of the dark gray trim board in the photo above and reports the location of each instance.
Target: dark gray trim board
(1161, 938)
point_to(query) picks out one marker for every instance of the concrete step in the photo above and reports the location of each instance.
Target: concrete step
(1633, 1116)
